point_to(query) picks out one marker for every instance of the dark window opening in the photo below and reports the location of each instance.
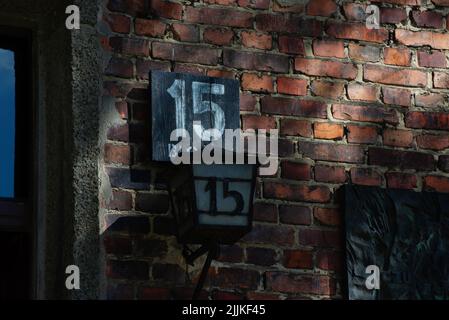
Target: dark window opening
(16, 127)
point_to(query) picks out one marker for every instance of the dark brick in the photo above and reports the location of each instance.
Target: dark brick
(154, 203)
(131, 270)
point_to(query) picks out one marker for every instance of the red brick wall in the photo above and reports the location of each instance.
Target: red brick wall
(352, 105)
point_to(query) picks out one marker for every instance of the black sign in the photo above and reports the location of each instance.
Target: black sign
(397, 244)
(178, 100)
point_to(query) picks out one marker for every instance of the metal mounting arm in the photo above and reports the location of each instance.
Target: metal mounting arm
(212, 253)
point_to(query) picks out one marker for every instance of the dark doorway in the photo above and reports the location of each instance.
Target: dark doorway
(16, 163)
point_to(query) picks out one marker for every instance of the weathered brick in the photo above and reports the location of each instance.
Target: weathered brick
(330, 174)
(135, 7)
(117, 245)
(328, 89)
(400, 97)
(329, 48)
(331, 152)
(401, 159)
(427, 120)
(166, 9)
(389, 75)
(292, 127)
(150, 247)
(297, 215)
(441, 2)
(256, 4)
(225, 295)
(329, 260)
(189, 68)
(185, 32)
(152, 293)
(365, 176)
(289, 6)
(288, 24)
(286, 148)
(291, 283)
(121, 200)
(443, 163)
(120, 154)
(429, 100)
(364, 52)
(397, 56)
(326, 68)
(252, 39)
(436, 183)
(185, 53)
(435, 59)
(169, 272)
(131, 270)
(427, 19)
(294, 192)
(298, 259)
(271, 234)
(441, 80)
(292, 86)
(130, 224)
(354, 11)
(327, 216)
(258, 122)
(402, 2)
(218, 36)
(235, 278)
(255, 61)
(119, 133)
(392, 15)
(325, 130)
(262, 295)
(120, 68)
(423, 38)
(247, 102)
(296, 171)
(143, 67)
(356, 31)
(362, 92)
(120, 291)
(324, 8)
(398, 138)
(231, 253)
(265, 212)
(261, 256)
(291, 44)
(130, 46)
(118, 23)
(294, 107)
(433, 142)
(400, 180)
(221, 73)
(319, 238)
(153, 203)
(219, 16)
(359, 134)
(221, 2)
(121, 178)
(364, 113)
(254, 82)
(150, 28)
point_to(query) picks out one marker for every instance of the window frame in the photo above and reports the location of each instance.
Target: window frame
(16, 213)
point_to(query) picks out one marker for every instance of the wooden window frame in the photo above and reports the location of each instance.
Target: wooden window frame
(16, 214)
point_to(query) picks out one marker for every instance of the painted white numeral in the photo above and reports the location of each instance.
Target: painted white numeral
(200, 106)
(178, 92)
